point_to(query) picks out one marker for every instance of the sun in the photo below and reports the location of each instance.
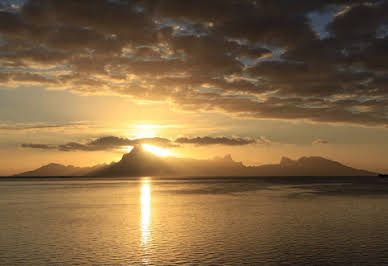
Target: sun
(156, 150)
(152, 149)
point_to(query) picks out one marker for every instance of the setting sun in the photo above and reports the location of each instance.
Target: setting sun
(153, 132)
(156, 150)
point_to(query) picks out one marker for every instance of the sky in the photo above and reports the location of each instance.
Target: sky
(81, 81)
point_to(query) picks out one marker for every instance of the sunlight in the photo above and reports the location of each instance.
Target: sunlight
(146, 131)
(145, 205)
(128, 148)
(156, 150)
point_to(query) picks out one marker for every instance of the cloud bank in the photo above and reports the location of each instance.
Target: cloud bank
(258, 59)
(112, 143)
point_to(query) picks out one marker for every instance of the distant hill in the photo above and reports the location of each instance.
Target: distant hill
(307, 166)
(54, 169)
(139, 162)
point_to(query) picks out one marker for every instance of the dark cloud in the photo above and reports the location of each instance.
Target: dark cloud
(371, 113)
(38, 146)
(103, 143)
(374, 57)
(215, 140)
(360, 22)
(112, 142)
(260, 59)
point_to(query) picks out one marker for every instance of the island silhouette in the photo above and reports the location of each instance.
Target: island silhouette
(139, 162)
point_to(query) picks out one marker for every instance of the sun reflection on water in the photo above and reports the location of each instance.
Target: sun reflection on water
(145, 205)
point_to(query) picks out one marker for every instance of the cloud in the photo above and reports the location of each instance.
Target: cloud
(265, 140)
(38, 146)
(349, 27)
(103, 143)
(320, 141)
(40, 126)
(259, 59)
(112, 143)
(203, 141)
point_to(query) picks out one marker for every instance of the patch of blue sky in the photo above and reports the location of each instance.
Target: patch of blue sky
(11, 5)
(320, 19)
(276, 55)
(182, 28)
(247, 61)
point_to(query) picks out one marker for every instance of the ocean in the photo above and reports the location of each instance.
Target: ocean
(194, 221)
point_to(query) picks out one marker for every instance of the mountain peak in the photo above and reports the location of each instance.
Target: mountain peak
(138, 153)
(137, 162)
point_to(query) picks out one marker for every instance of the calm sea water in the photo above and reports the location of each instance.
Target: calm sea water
(194, 221)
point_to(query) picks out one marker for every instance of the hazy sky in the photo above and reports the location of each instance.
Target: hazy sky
(80, 81)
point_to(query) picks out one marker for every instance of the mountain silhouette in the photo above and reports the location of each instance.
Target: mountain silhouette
(54, 169)
(308, 166)
(139, 162)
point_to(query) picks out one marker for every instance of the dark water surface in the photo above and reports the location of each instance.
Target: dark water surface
(230, 221)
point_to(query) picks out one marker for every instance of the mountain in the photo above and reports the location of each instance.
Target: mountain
(142, 163)
(307, 166)
(139, 162)
(54, 169)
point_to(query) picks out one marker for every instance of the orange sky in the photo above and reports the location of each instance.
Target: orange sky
(255, 79)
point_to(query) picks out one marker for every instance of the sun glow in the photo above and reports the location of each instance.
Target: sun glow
(128, 148)
(145, 131)
(156, 150)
